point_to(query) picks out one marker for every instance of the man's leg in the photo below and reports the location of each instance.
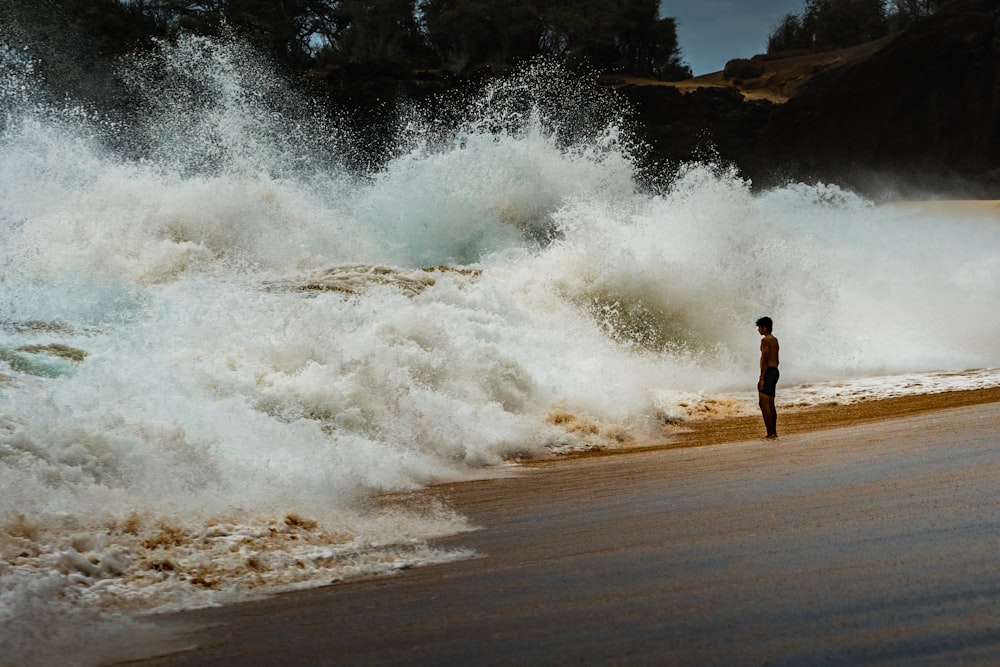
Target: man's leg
(769, 414)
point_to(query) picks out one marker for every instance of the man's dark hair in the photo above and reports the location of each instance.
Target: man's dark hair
(766, 323)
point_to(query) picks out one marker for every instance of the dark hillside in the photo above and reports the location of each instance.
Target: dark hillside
(922, 113)
(913, 113)
(916, 114)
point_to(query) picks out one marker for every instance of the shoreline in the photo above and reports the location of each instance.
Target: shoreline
(683, 554)
(793, 421)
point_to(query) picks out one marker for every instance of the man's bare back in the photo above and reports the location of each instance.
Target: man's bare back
(768, 352)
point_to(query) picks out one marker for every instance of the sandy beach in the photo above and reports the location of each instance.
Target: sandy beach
(312, 361)
(867, 534)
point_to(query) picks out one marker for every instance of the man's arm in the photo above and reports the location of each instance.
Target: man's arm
(763, 363)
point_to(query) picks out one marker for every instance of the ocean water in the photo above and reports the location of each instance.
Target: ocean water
(227, 353)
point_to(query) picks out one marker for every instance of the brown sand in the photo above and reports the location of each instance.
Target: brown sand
(735, 429)
(783, 77)
(867, 534)
(799, 420)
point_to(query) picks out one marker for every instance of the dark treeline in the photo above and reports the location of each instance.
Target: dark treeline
(449, 36)
(73, 44)
(835, 24)
(371, 59)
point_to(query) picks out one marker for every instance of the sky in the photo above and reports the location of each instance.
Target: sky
(712, 32)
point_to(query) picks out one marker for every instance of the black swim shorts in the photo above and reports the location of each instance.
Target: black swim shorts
(770, 380)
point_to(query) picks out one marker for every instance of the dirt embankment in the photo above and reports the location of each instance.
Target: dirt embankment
(776, 77)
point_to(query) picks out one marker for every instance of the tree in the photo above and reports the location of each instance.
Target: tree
(788, 35)
(607, 35)
(469, 33)
(372, 31)
(907, 12)
(662, 57)
(454, 35)
(75, 42)
(283, 30)
(841, 23)
(831, 24)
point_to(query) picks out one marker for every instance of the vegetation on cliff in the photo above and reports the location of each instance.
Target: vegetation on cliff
(836, 24)
(452, 36)
(916, 108)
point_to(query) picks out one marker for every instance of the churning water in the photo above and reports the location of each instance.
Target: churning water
(221, 345)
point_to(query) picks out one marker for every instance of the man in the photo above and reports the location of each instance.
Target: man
(768, 376)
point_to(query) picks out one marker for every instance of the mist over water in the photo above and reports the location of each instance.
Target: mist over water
(220, 344)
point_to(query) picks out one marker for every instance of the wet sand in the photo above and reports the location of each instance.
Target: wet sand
(791, 422)
(865, 535)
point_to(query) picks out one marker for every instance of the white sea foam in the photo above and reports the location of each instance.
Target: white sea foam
(268, 342)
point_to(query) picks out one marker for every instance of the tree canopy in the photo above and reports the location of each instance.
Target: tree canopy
(832, 24)
(615, 35)
(455, 36)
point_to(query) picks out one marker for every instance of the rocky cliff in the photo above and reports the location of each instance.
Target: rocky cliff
(921, 113)
(917, 114)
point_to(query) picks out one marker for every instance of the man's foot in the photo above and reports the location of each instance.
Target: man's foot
(771, 436)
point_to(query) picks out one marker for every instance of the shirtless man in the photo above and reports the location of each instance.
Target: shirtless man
(768, 376)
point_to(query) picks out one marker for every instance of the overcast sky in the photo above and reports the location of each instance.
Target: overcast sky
(712, 32)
